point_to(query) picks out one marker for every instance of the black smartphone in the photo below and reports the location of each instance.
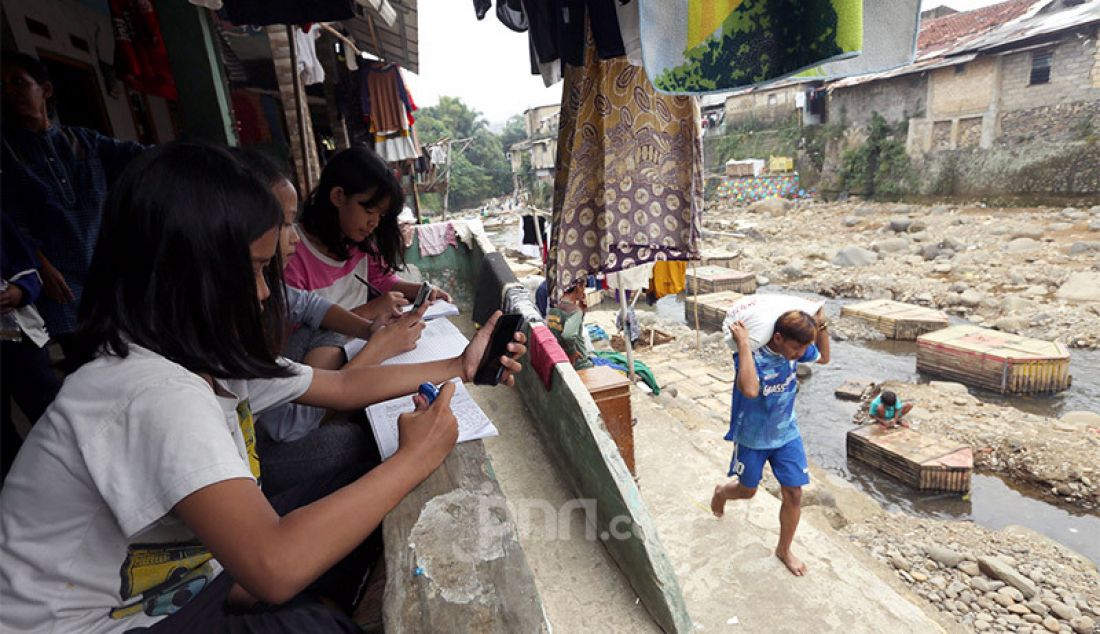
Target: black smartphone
(422, 295)
(490, 369)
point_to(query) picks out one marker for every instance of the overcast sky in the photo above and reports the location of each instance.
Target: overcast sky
(488, 66)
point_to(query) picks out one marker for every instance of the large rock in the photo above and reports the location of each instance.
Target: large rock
(943, 555)
(854, 256)
(891, 245)
(1017, 304)
(772, 204)
(1094, 224)
(971, 297)
(1081, 419)
(1023, 245)
(997, 568)
(899, 225)
(1028, 231)
(1077, 248)
(953, 243)
(1083, 286)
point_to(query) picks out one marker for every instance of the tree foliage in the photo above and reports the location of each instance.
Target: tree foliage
(879, 167)
(515, 130)
(480, 171)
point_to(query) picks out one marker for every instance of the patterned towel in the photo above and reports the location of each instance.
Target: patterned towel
(889, 41)
(700, 46)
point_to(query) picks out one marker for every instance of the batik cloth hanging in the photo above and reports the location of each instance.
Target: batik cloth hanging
(701, 46)
(628, 183)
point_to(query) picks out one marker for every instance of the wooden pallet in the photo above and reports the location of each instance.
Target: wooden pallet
(895, 319)
(712, 309)
(715, 279)
(923, 462)
(994, 360)
(726, 259)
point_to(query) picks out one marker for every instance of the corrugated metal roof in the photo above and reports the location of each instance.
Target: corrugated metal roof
(1035, 26)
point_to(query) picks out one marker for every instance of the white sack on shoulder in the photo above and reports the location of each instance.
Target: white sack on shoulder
(759, 312)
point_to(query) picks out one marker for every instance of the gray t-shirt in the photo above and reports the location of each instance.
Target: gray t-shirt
(306, 307)
(87, 541)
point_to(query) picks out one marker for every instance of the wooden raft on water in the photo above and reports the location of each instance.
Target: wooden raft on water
(712, 309)
(923, 462)
(896, 320)
(715, 279)
(994, 360)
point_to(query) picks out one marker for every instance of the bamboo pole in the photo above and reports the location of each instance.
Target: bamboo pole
(626, 328)
(695, 294)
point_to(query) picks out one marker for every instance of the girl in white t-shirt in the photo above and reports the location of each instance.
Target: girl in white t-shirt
(134, 501)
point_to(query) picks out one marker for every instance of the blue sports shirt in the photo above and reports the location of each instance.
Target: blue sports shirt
(768, 421)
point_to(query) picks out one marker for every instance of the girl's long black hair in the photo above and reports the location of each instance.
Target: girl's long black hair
(172, 270)
(358, 170)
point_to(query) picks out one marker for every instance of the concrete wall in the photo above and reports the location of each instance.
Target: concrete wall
(66, 18)
(762, 105)
(963, 89)
(1073, 75)
(533, 116)
(896, 99)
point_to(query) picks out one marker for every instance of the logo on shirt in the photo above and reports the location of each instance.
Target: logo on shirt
(779, 388)
(162, 577)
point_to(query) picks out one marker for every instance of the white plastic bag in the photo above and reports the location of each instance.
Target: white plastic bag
(759, 312)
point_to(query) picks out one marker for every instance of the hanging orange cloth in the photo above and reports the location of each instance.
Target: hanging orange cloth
(668, 278)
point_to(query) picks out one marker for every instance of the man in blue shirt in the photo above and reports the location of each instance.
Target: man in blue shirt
(54, 181)
(763, 423)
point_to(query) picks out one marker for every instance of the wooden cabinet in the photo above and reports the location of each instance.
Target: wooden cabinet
(611, 391)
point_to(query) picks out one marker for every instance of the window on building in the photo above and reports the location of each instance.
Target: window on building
(772, 100)
(1040, 67)
(960, 69)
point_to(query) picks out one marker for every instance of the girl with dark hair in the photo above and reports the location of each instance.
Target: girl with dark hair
(133, 503)
(350, 231)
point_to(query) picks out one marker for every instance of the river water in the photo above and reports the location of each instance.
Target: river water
(825, 421)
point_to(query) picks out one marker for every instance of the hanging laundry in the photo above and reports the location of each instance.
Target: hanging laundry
(631, 29)
(273, 115)
(701, 46)
(628, 187)
(387, 107)
(604, 28)
(252, 127)
(141, 59)
(439, 155)
(265, 12)
(530, 235)
(213, 5)
(669, 278)
(434, 238)
(889, 40)
(481, 7)
(305, 48)
(633, 278)
(513, 18)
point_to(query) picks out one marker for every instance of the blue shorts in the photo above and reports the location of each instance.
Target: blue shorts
(788, 464)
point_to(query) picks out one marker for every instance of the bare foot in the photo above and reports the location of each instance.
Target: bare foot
(718, 502)
(794, 564)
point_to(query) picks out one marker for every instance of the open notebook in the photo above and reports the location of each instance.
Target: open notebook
(437, 309)
(440, 340)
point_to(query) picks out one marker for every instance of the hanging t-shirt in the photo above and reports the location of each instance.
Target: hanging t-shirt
(768, 421)
(87, 539)
(305, 47)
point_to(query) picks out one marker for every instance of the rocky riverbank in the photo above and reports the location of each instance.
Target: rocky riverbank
(1010, 580)
(1034, 271)
(1059, 456)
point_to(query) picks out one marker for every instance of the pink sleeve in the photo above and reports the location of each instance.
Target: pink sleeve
(294, 272)
(379, 275)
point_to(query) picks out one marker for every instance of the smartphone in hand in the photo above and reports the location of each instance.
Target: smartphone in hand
(422, 295)
(490, 370)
